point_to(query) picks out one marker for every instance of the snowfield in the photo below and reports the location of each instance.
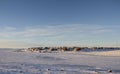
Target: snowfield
(12, 62)
(107, 53)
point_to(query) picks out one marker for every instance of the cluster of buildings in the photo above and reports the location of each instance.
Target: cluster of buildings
(75, 49)
(49, 49)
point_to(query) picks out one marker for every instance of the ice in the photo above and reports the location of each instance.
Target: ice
(57, 63)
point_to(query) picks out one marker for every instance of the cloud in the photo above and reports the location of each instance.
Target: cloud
(25, 32)
(9, 28)
(56, 30)
(71, 34)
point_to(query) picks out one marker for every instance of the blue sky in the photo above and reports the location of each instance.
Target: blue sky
(28, 23)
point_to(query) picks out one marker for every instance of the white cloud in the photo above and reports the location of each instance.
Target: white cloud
(53, 30)
(9, 28)
(53, 35)
(25, 32)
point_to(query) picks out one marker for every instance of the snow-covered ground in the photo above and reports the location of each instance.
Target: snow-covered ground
(104, 53)
(58, 63)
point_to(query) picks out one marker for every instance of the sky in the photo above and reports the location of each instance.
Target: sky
(31, 23)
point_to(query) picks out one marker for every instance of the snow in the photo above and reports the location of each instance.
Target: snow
(107, 53)
(58, 63)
